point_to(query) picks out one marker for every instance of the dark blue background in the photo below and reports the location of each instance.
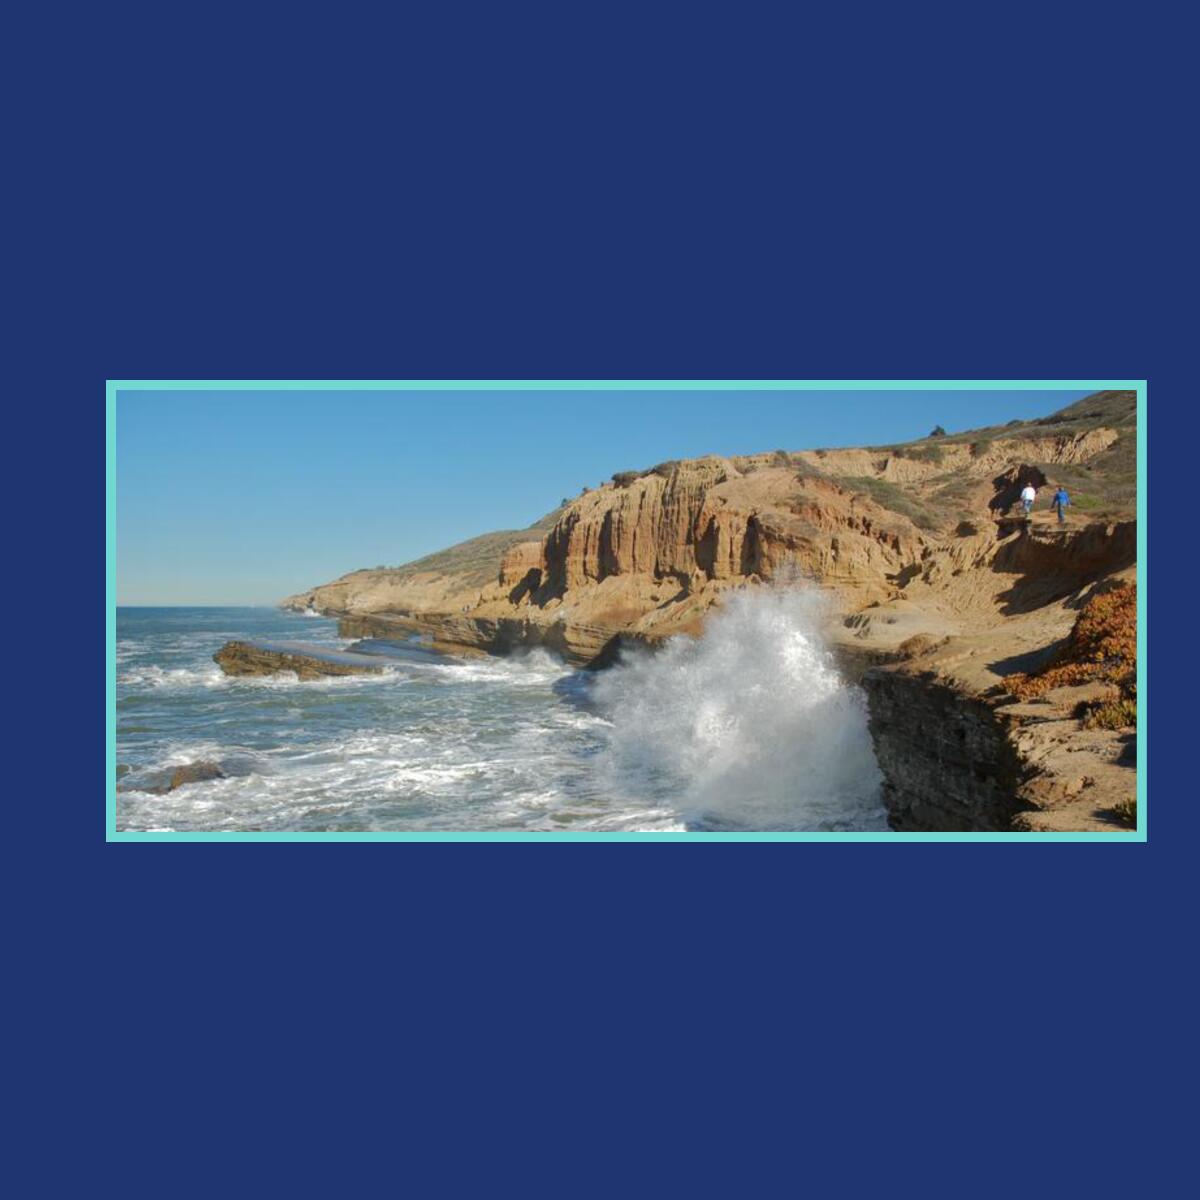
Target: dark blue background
(616, 191)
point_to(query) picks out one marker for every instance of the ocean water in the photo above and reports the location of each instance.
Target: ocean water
(747, 728)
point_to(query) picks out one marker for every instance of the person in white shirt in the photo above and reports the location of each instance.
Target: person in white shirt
(1028, 496)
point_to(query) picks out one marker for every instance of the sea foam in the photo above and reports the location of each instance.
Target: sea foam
(751, 723)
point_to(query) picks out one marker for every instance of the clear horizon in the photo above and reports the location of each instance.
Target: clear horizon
(238, 499)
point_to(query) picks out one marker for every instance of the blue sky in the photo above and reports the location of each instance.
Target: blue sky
(246, 497)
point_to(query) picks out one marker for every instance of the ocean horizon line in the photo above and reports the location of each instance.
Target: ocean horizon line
(228, 604)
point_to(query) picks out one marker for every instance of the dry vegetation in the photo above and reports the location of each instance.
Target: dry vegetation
(1111, 410)
(1106, 486)
(477, 558)
(890, 496)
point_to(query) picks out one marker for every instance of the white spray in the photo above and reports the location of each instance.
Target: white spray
(751, 723)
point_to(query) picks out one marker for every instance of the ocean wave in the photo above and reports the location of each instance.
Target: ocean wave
(535, 669)
(174, 678)
(749, 727)
(751, 724)
(211, 676)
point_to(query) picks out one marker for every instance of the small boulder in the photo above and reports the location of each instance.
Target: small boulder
(197, 772)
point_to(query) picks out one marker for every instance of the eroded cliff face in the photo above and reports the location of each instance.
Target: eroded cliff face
(946, 759)
(959, 755)
(707, 522)
(647, 559)
(650, 559)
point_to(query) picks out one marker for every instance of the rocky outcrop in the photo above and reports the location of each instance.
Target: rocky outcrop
(580, 644)
(159, 783)
(196, 772)
(956, 761)
(245, 658)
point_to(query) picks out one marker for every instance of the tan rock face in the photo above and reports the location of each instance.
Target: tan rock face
(705, 521)
(519, 561)
(383, 591)
(651, 527)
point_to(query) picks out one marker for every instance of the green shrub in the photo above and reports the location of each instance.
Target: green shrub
(625, 478)
(937, 431)
(1110, 714)
(1126, 812)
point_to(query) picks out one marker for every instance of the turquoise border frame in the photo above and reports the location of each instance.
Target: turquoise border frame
(114, 387)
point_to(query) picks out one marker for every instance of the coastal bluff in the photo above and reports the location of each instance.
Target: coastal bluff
(937, 590)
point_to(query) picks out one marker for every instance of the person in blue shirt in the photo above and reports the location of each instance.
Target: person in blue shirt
(1060, 502)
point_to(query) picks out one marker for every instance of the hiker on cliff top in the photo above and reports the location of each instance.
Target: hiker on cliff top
(1028, 496)
(1060, 502)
